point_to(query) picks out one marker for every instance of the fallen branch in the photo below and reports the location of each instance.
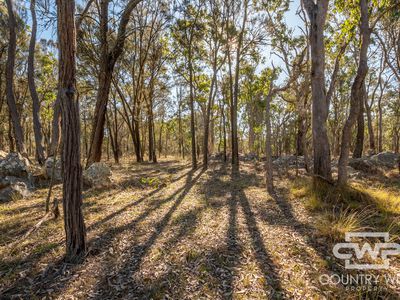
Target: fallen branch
(53, 214)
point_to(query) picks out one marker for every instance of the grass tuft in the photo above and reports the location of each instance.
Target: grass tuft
(335, 225)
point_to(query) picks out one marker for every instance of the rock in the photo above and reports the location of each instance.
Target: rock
(352, 173)
(13, 188)
(14, 164)
(385, 159)
(364, 165)
(289, 161)
(3, 155)
(48, 167)
(97, 175)
(217, 156)
(250, 157)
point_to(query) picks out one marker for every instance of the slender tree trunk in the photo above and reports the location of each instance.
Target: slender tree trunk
(301, 134)
(116, 135)
(371, 134)
(191, 105)
(104, 78)
(380, 125)
(181, 145)
(37, 126)
(320, 105)
(358, 148)
(99, 116)
(12, 107)
(356, 93)
(224, 131)
(234, 108)
(85, 139)
(137, 140)
(152, 151)
(207, 117)
(112, 139)
(72, 170)
(10, 135)
(108, 58)
(55, 125)
(268, 146)
(160, 137)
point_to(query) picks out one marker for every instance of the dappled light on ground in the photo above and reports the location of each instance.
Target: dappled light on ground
(169, 232)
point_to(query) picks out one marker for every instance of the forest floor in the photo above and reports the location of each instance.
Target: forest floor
(164, 231)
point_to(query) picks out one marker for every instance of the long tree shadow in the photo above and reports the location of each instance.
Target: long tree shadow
(136, 202)
(231, 253)
(57, 275)
(138, 252)
(321, 248)
(263, 258)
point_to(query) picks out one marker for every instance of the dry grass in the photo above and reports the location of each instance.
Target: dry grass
(167, 232)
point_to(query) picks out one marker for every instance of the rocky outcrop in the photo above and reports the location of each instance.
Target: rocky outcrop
(364, 164)
(97, 175)
(13, 188)
(15, 177)
(289, 161)
(48, 168)
(14, 164)
(374, 164)
(385, 159)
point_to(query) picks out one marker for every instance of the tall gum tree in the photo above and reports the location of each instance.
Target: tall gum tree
(317, 12)
(37, 126)
(12, 106)
(74, 225)
(358, 87)
(108, 58)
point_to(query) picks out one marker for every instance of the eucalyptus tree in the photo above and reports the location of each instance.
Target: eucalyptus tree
(137, 72)
(72, 174)
(367, 15)
(187, 33)
(12, 107)
(317, 12)
(235, 35)
(215, 42)
(289, 47)
(109, 54)
(37, 126)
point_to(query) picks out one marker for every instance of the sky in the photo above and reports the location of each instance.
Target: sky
(291, 18)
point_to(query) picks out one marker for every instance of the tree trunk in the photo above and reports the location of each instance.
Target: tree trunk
(108, 58)
(301, 133)
(72, 170)
(234, 106)
(104, 80)
(180, 142)
(99, 115)
(207, 117)
(320, 106)
(10, 135)
(112, 139)
(37, 127)
(268, 146)
(12, 107)
(380, 125)
(191, 105)
(55, 125)
(152, 149)
(160, 137)
(371, 134)
(359, 146)
(357, 93)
